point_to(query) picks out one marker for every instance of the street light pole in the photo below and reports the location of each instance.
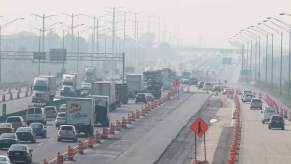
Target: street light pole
(281, 62)
(266, 76)
(1, 26)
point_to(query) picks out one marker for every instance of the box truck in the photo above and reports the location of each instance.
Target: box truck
(44, 89)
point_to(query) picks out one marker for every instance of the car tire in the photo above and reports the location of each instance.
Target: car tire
(283, 128)
(59, 139)
(263, 121)
(75, 140)
(269, 127)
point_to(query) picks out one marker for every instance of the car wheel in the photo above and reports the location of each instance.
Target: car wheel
(263, 121)
(270, 127)
(283, 128)
(59, 139)
(75, 140)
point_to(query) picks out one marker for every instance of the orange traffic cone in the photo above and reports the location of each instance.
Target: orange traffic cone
(81, 147)
(70, 153)
(112, 129)
(133, 116)
(60, 158)
(137, 114)
(98, 136)
(45, 162)
(90, 142)
(129, 118)
(123, 122)
(104, 133)
(118, 125)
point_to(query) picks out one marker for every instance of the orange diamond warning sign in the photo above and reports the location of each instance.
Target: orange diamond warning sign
(199, 127)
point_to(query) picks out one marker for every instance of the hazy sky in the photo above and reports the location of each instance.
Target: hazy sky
(194, 22)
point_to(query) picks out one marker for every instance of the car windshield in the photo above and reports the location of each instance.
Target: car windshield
(36, 125)
(13, 119)
(256, 101)
(66, 128)
(61, 115)
(277, 118)
(34, 111)
(23, 129)
(17, 147)
(8, 135)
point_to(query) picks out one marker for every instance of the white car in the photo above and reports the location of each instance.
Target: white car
(60, 119)
(4, 159)
(267, 113)
(67, 132)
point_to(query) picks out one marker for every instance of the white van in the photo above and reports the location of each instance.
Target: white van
(35, 114)
(267, 113)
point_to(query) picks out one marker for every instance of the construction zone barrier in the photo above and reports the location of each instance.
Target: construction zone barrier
(105, 133)
(234, 147)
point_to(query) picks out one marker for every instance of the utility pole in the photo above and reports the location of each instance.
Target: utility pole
(242, 57)
(97, 35)
(281, 62)
(63, 67)
(272, 62)
(0, 54)
(251, 56)
(40, 36)
(159, 30)
(266, 77)
(113, 31)
(256, 55)
(124, 30)
(135, 38)
(259, 74)
(123, 67)
(43, 32)
(78, 51)
(289, 64)
(149, 24)
(72, 33)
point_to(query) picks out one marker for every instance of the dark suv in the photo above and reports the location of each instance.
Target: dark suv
(276, 121)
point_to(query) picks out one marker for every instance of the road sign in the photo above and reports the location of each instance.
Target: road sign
(199, 127)
(58, 54)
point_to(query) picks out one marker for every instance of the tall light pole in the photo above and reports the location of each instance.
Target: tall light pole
(1, 27)
(287, 28)
(43, 18)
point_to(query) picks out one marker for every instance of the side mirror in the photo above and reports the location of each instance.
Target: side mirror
(30, 150)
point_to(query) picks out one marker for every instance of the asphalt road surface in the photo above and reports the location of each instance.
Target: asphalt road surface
(261, 145)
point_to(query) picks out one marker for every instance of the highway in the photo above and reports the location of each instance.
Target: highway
(261, 145)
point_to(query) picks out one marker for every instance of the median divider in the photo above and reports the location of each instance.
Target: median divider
(236, 137)
(106, 132)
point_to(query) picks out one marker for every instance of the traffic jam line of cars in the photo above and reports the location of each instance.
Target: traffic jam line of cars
(16, 133)
(269, 114)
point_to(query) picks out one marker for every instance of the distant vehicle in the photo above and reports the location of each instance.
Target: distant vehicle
(140, 97)
(101, 110)
(60, 119)
(135, 83)
(7, 139)
(193, 81)
(63, 108)
(67, 132)
(20, 153)
(200, 84)
(44, 89)
(228, 92)
(4, 159)
(25, 134)
(90, 74)
(35, 114)
(39, 129)
(256, 104)
(276, 121)
(121, 93)
(217, 88)
(86, 86)
(80, 113)
(68, 91)
(267, 113)
(16, 121)
(247, 92)
(50, 111)
(186, 81)
(106, 88)
(6, 128)
(149, 97)
(246, 97)
(72, 81)
(207, 86)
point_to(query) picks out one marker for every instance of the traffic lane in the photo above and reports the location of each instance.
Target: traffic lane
(47, 148)
(16, 105)
(261, 145)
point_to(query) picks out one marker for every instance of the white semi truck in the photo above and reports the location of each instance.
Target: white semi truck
(44, 89)
(135, 83)
(71, 84)
(105, 88)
